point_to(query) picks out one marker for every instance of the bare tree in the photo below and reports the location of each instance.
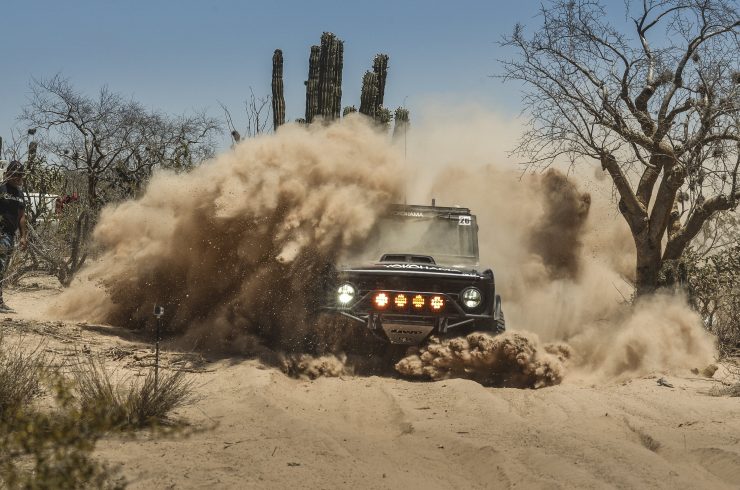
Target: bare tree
(107, 147)
(258, 114)
(658, 108)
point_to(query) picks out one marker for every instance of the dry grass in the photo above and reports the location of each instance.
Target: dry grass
(49, 446)
(128, 403)
(20, 375)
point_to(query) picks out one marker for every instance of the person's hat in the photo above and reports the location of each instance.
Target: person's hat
(15, 168)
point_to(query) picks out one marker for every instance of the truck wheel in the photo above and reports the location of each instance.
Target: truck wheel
(498, 315)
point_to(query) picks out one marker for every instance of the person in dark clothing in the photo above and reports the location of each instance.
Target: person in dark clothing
(12, 219)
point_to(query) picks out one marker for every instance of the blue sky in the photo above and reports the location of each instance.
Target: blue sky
(185, 55)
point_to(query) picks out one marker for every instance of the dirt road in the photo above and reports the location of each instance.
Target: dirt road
(254, 427)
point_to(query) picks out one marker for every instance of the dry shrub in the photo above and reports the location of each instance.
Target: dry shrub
(732, 366)
(51, 447)
(732, 390)
(44, 448)
(714, 290)
(20, 375)
(126, 403)
(150, 403)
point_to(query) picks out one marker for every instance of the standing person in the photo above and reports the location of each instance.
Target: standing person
(12, 219)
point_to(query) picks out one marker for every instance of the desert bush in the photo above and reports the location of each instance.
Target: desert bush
(714, 291)
(129, 404)
(53, 448)
(20, 375)
(149, 403)
(733, 367)
(49, 448)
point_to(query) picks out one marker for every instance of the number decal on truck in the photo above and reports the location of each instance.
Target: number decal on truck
(464, 220)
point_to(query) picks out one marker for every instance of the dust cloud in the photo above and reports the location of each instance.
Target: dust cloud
(234, 249)
(313, 367)
(556, 237)
(512, 359)
(562, 256)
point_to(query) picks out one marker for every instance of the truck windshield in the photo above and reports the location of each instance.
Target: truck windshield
(448, 238)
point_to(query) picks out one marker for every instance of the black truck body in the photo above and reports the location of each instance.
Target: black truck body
(423, 279)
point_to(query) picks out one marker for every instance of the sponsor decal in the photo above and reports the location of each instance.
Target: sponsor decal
(411, 214)
(419, 267)
(429, 268)
(413, 268)
(407, 332)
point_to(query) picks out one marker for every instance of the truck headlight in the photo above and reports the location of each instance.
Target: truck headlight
(345, 294)
(471, 298)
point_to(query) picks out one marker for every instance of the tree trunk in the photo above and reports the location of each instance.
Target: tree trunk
(648, 266)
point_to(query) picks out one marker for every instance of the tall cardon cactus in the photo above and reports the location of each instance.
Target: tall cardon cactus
(312, 84)
(369, 94)
(401, 124)
(324, 85)
(373, 91)
(380, 68)
(278, 97)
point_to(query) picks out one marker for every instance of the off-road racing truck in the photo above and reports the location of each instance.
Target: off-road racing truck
(418, 276)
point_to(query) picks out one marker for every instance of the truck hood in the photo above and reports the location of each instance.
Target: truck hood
(410, 269)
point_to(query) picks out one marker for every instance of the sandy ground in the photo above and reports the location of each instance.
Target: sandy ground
(253, 427)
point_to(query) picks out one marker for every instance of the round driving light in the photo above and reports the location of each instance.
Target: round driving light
(418, 301)
(345, 294)
(471, 298)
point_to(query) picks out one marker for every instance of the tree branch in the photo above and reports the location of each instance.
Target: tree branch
(694, 223)
(634, 212)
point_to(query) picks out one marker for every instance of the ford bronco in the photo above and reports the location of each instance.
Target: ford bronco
(418, 275)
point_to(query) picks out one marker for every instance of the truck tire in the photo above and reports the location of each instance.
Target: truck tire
(498, 315)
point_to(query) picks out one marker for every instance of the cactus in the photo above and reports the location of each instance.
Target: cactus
(383, 117)
(324, 85)
(330, 76)
(349, 110)
(380, 68)
(312, 84)
(401, 123)
(373, 91)
(369, 95)
(338, 78)
(278, 98)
